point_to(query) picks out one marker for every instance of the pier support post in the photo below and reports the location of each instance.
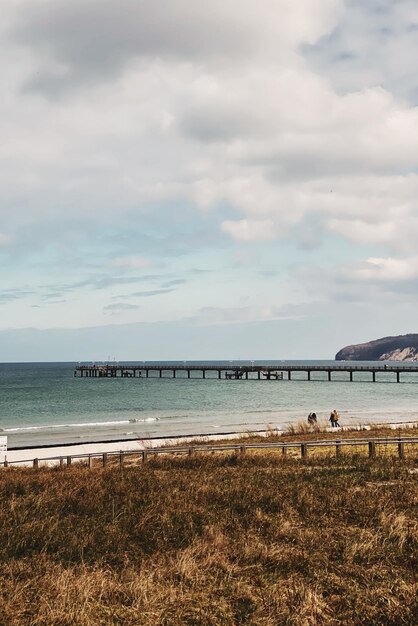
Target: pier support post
(147, 374)
(351, 377)
(246, 375)
(401, 450)
(309, 374)
(188, 373)
(374, 376)
(289, 375)
(372, 450)
(161, 373)
(303, 451)
(219, 374)
(329, 376)
(398, 377)
(203, 373)
(174, 373)
(259, 374)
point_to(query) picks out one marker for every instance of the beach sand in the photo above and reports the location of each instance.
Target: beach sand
(50, 455)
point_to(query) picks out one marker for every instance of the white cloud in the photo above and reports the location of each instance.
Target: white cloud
(249, 230)
(386, 270)
(131, 263)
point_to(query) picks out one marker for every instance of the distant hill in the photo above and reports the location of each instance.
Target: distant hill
(399, 348)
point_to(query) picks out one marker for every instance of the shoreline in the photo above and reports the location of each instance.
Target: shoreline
(23, 456)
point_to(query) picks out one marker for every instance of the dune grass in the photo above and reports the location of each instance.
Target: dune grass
(211, 541)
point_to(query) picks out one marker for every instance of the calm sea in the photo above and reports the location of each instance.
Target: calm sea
(42, 403)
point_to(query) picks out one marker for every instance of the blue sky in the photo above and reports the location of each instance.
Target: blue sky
(181, 180)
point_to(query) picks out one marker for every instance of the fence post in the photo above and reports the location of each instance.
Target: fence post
(36, 463)
(144, 456)
(69, 460)
(191, 451)
(104, 459)
(401, 450)
(61, 461)
(121, 460)
(6, 463)
(242, 449)
(90, 461)
(372, 449)
(303, 450)
(338, 448)
(284, 451)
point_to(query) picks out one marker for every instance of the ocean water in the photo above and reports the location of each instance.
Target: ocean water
(42, 403)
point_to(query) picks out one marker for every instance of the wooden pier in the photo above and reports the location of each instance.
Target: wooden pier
(378, 372)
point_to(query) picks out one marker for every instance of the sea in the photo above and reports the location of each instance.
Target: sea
(44, 404)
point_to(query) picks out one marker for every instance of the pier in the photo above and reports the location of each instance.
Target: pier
(231, 371)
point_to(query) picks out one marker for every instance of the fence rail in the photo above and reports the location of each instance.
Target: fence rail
(238, 448)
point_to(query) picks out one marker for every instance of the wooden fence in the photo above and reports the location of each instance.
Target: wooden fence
(371, 444)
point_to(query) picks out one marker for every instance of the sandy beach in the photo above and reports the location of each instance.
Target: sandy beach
(51, 455)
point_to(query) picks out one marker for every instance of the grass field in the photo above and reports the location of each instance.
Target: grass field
(211, 540)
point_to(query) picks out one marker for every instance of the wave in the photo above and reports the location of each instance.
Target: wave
(79, 425)
(260, 411)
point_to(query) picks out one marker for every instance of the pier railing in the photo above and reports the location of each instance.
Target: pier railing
(301, 447)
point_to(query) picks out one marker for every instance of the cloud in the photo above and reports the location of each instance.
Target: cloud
(168, 134)
(385, 270)
(131, 263)
(120, 307)
(249, 230)
(10, 295)
(175, 282)
(375, 43)
(243, 315)
(151, 293)
(83, 42)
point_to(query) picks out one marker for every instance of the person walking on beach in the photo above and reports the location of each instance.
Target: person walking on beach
(312, 420)
(333, 418)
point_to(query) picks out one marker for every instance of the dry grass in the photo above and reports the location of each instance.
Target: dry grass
(210, 541)
(303, 428)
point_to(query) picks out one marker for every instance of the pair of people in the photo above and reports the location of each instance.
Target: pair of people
(333, 418)
(312, 419)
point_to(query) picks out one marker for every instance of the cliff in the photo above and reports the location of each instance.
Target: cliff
(399, 348)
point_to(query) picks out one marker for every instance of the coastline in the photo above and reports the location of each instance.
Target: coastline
(23, 456)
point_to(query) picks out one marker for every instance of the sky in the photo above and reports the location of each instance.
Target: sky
(190, 180)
